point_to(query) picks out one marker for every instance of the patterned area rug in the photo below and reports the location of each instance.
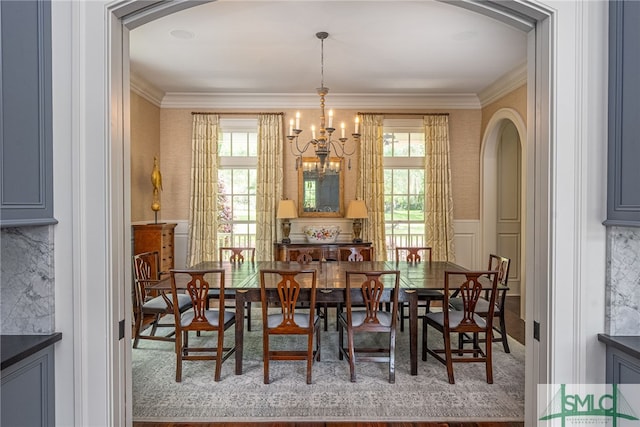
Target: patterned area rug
(425, 397)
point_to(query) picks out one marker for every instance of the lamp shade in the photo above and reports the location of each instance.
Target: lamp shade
(357, 209)
(286, 209)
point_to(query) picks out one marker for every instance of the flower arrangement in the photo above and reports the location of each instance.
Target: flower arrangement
(321, 233)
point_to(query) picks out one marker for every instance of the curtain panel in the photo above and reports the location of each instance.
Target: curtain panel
(439, 199)
(203, 201)
(370, 182)
(270, 183)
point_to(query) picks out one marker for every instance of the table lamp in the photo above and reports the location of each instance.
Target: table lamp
(356, 211)
(286, 210)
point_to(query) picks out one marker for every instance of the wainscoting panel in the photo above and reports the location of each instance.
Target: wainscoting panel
(467, 243)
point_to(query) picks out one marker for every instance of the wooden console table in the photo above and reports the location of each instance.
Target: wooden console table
(330, 250)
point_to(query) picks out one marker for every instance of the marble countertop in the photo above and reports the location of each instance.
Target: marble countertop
(630, 344)
(14, 348)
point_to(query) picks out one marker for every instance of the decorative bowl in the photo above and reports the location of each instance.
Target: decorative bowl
(321, 233)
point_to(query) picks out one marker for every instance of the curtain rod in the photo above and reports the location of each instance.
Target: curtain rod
(404, 114)
(249, 113)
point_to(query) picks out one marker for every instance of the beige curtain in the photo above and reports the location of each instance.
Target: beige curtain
(439, 200)
(203, 209)
(269, 186)
(370, 183)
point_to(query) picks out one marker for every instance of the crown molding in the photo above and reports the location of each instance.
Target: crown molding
(146, 90)
(504, 85)
(303, 101)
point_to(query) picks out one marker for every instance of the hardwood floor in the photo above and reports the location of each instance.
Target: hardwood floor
(515, 328)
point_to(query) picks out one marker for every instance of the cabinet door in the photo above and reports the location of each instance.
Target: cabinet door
(25, 88)
(623, 193)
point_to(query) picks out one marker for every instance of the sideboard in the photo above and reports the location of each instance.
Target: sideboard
(329, 250)
(156, 237)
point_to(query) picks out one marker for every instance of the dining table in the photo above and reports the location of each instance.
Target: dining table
(242, 282)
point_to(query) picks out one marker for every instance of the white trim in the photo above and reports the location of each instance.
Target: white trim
(338, 100)
(504, 85)
(146, 90)
(553, 139)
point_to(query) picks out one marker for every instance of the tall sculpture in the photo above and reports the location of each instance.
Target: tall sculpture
(156, 180)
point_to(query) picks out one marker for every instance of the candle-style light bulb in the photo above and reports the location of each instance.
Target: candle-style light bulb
(291, 127)
(330, 118)
(298, 120)
(357, 124)
(342, 129)
(313, 131)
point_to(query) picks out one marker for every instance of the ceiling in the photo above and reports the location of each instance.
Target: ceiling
(378, 48)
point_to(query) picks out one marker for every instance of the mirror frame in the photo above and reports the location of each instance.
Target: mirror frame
(301, 211)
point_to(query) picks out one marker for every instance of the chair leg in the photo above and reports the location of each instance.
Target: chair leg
(503, 333)
(178, 357)
(401, 307)
(249, 316)
(392, 356)
(340, 341)
(136, 327)
(265, 355)
(352, 355)
(219, 354)
(448, 356)
(309, 357)
(424, 339)
(488, 362)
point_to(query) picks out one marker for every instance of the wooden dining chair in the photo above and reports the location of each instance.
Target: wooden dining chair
(501, 265)
(197, 284)
(149, 306)
(414, 255)
(371, 289)
(465, 321)
(355, 253)
(289, 319)
(236, 255)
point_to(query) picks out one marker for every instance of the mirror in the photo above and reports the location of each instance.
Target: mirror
(320, 194)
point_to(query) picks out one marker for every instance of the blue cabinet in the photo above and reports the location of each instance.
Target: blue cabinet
(26, 150)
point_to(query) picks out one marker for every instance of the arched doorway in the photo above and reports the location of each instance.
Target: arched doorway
(503, 192)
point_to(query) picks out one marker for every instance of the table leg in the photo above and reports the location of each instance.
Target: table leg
(240, 303)
(413, 331)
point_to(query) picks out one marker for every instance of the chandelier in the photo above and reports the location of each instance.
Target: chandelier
(324, 145)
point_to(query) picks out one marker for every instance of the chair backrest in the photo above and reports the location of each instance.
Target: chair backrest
(288, 284)
(413, 254)
(237, 253)
(374, 290)
(146, 270)
(356, 253)
(501, 265)
(303, 255)
(469, 285)
(197, 286)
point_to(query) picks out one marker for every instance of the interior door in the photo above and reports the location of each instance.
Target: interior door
(509, 213)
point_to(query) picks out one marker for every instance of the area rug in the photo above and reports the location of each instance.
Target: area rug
(425, 397)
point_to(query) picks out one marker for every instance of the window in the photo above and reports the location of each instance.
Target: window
(404, 184)
(237, 177)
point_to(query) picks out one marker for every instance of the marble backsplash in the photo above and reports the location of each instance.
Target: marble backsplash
(27, 281)
(622, 314)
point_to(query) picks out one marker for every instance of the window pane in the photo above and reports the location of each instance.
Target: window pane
(417, 144)
(401, 145)
(224, 144)
(253, 144)
(387, 144)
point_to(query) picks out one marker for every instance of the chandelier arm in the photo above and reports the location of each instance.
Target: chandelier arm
(341, 148)
(299, 151)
